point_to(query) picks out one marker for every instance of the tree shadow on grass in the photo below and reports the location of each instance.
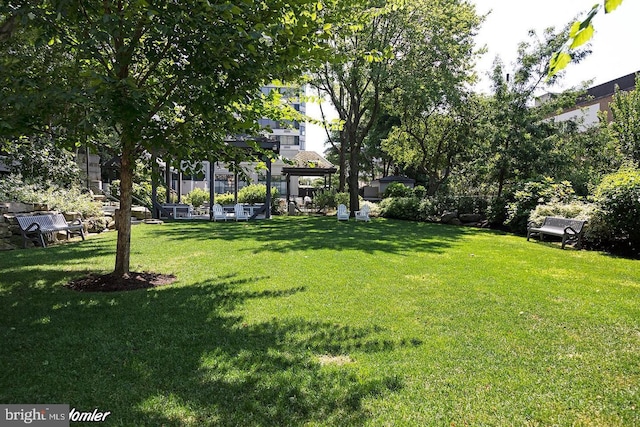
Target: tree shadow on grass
(180, 355)
(287, 234)
(28, 268)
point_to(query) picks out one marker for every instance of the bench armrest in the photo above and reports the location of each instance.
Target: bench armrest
(570, 230)
(32, 227)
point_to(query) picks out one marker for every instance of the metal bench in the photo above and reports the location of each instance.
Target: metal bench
(571, 230)
(36, 227)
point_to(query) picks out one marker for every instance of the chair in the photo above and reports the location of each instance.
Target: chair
(343, 213)
(363, 214)
(218, 212)
(240, 214)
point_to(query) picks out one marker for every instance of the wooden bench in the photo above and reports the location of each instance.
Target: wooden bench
(569, 229)
(36, 227)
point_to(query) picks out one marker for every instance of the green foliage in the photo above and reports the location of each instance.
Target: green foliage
(419, 191)
(407, 208)
(256, 193)
(397, 189)
(625, 122)
(325, 199)
(342, 198)
(573, 210)
(197, 197)
(330, 199)
(618, 197)
(225, 199)
(532, 194)
(430, 208)
(38, 159)
(74, 199)
(581, 32)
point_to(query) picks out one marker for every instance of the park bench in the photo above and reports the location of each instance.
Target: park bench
(36, 227)
(569, 230)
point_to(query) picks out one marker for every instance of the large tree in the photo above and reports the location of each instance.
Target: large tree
(170, 76)
(520, 134)
(384, 47)
(430, 93)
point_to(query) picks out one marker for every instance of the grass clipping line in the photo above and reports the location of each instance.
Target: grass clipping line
(113, 283)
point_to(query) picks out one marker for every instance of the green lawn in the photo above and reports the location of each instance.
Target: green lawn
(307, 321)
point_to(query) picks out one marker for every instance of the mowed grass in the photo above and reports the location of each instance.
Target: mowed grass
(307, 321)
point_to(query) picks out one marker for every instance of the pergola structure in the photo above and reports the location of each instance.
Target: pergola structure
(309, 163)
(256, 150)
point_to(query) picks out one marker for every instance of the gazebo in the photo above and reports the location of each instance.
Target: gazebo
(309, 163)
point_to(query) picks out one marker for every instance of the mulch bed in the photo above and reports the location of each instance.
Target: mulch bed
(113, 283)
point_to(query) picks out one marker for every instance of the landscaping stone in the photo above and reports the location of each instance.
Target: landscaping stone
(72, 216)
(447, 217)
(140, 212)
(470, 217)
(6, 245)
(15, 207)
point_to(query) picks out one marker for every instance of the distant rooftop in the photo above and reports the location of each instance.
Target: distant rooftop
(625, 83)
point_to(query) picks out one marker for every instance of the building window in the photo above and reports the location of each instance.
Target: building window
(289, 140)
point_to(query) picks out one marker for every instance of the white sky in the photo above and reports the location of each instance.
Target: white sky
(615, 45)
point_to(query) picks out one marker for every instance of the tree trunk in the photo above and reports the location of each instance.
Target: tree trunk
(123, 248)
(342, 155)
(354, 203)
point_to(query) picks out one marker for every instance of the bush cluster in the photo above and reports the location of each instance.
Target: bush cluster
(618, 199)
(414, 204)
(251, 194)
(197, 197)
(613, 216)
(534, 193)
(330, 199)
(72, 199)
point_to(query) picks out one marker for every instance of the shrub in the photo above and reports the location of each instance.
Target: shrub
(325, 199)
(342, 198)
(576, 210)
(256, 193)
(400, 208)
(531, 195)
(328, 199)
(497, 212)
(397, 189)
(197, 197)
(74, 199)
(618, 197)
(419, 191)
(224, 199)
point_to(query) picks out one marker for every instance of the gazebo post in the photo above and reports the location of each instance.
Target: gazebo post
(267, 213)
(212, 185)
(167, 180)
(235, 184)
(288, 188)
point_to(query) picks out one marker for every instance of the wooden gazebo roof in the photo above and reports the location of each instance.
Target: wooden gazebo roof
(309, 163)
